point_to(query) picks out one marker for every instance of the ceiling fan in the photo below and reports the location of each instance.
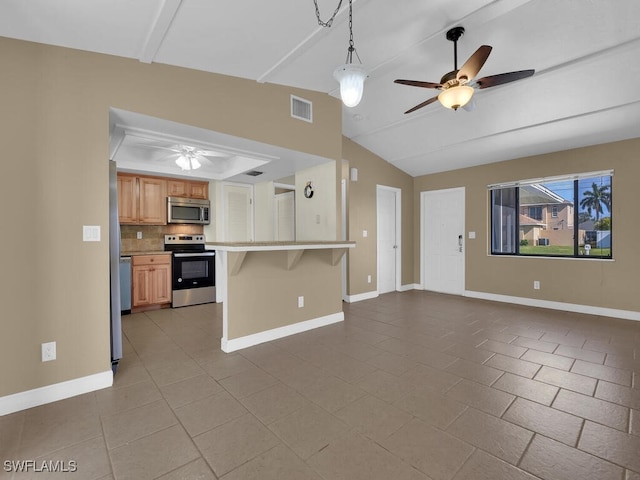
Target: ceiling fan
(186, 157)
(455, 85)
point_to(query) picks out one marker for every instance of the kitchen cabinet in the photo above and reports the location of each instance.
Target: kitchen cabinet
(188, 188)
(151, 280)
(142, 200)
(152, 201)
(127, 199)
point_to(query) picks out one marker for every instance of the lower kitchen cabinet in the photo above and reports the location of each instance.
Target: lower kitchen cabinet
(151, 280)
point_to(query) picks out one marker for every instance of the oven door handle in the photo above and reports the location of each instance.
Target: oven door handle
(200, 254)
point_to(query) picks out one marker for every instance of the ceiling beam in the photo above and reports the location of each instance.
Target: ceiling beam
(304, 45)
(159, 29)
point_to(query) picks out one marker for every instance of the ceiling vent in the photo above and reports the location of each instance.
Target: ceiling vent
(301, 109)
(254, 173)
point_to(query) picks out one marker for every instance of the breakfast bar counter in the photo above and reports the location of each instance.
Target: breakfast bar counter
(270, 290)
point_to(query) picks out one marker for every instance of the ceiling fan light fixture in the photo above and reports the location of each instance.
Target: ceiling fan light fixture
(456, 97)
(187, 162)
(351, 78)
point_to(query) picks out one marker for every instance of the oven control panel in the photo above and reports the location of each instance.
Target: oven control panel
(183, 239)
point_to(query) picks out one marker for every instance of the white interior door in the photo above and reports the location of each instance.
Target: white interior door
(238, 213)
(388, 234)
(443, 240)
(285, 217)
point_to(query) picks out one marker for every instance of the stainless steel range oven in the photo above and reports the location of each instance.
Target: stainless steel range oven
(193, 270)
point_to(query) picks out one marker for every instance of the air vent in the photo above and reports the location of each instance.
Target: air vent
(254, 173)
(301, 109)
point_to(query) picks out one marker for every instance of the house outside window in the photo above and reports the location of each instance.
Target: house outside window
(567, 216)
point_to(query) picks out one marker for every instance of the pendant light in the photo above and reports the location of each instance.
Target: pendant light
(351, 77)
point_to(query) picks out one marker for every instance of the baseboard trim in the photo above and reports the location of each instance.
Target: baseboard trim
(53, 393)
(234, 344)
(569, 307)
(360, 296)
(410, 286)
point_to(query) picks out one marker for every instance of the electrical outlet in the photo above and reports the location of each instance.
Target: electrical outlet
(48, 351)
(300, 301)
(365, 233)
(536, 285)
(139, 235)
(368, 278)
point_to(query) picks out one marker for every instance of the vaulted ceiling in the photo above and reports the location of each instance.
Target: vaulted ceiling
(585, 53)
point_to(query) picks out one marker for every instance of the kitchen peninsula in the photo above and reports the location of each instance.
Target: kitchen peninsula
(270, 290)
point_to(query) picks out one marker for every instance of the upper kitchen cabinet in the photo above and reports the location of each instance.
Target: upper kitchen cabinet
(127, 199)
(153, 201)
(188, 188)
(142, 200)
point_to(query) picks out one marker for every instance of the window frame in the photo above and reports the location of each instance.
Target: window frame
(574, 214)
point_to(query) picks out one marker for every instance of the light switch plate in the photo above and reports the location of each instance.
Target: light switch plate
(365, 233)
(91, 233)
(472, 235)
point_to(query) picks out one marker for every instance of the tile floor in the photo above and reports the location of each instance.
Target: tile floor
(412, 385)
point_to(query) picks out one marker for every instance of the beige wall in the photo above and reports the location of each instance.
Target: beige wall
(601, 283)
(316, 217)
(55, 122)
(373, 171)
(258, 300)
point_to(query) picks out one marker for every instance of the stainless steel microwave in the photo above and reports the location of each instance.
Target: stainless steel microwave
(188, 210)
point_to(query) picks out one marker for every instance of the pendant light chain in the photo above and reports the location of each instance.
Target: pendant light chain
(351, 77)
(329, 22)
(352, 49)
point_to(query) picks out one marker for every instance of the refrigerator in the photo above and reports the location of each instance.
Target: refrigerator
(114, 269)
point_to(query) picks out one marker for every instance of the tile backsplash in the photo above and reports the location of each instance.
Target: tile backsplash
(152, 236)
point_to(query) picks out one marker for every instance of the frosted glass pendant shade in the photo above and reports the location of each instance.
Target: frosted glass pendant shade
(351, 78)
(456, 97)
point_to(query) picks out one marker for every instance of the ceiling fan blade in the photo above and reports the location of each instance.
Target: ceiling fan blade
(501, 78)
(154, 147)
(475, 62)
(418, 83)
(423, 104)
(210, 153)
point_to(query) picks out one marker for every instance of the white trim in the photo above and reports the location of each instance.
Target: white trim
(410, 286)
(53, 393)
(276, 333)
(361, 296)
(569, 307)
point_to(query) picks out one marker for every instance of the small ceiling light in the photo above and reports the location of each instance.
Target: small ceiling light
(456, 96)
(188, 162)
(351, 77)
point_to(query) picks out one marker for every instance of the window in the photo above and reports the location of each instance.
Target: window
(535, 213)
(561, 216)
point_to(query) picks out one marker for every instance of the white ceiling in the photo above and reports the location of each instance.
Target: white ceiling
(585, 53)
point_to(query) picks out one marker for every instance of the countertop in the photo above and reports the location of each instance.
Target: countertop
(268, 246)
(152, 252)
